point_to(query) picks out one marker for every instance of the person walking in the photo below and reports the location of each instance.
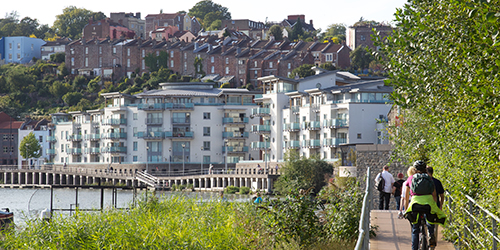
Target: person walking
(385, 194)
(397, 192)
(411, 171)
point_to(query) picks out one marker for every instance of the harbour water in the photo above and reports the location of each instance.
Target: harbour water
(28, 203)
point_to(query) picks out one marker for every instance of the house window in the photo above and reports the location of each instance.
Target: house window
(206, 146)
(185, 65)
(40, 138)
(10, 56)
(86, 61)
(100, 50)
(86, 50)
(329, 57)
(185, 55)
(143, 64)
(128, 51)
(143, 53)
(157, 53)
(212, 69)
(362, 37)
(18, 56)
(227, 60)
(227, 70)
(10, 45)
(289, 65)
(114, 50)
(128, 63)
(212, 59)
(72, 61)
(359, 135)
(256, 74)
(271, 65)
(18, 45)
(171, 54)
(206, 115)
(100, 61)
(206, 131)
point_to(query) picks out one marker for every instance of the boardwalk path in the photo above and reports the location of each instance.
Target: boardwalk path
(394, 233)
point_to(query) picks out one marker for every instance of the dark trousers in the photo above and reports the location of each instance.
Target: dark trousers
(384, 197)
(415, 230)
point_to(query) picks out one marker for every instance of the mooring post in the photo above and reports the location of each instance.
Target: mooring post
(102, 199)
(51, 196)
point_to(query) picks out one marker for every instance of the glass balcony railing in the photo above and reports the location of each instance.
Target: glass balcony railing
(50, 151)
(291, 144)
(332, 142)
(314, 125)
(74, 137)
(295, 126)
(295, 109)
(170, 134)
(92, 150)
(51, 139)
(179, 105)
(151, 106)
(335, 123)
(114, 122)
(260, 145)
(261, 128)
(235, 149)
(261, 111)
(235, 135)
(151, 135)
(92, 136)
(154, 121)
(311, 143)
(226, 120)
(114, 136)
(75, 150)
(114, 150)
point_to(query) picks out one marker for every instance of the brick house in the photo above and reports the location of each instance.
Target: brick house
(180, 20)
(131, 21)
(106, 28)
(163, 33)
(255, 30)
(360, 35)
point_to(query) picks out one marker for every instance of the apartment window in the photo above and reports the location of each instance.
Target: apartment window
(18, 56)
(86, 62)
(114, 50)
(359, 136)
(206, 131)
(62, 148)
(18, 45)
(135, 146)
(10, 56)
(143, 53)
(227, 70)
(256, 74)
(289, 65)
(206, 146)
(212, 69)
(134, 131)
(40, 138)
(134, 116)
(185, 55)
(212, 59)
(100, 50)
(128, 51)
(206, 159)
(143, 64)
(271, 65)
(171, 63)
(10, 45)
(100, 61)
(206, 115)
(128, 63)
(227, 60)
(86, 50)
(135, 158)
(5, 149)
(72, 61)
(171, 54)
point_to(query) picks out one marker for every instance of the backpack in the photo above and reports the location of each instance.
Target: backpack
(422, 184)
(380, 183)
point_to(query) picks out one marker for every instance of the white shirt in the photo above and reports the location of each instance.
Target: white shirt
(389, 181)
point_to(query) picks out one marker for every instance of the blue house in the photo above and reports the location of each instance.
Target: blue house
(20, 49)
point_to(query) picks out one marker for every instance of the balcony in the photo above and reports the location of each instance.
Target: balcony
(50, 151)
(295, 109)
(236, 120)
(179, 106)
(151, 135)
(180, 121)
(333, 142)
(170, 134)
(311, 144)
(74, 137)
(235, 135)
(316, 107)
(114, 122)
(92, 151)
(93, 137)
(114, 150)
(260, 145)
(261, 129)
(114, 136)
(291, 144)
(261, 112)
(75, 151)
(294, 126)
(235, 149)
(335, 123)
(311, 125)
(154, 121)
(151, 106)
(51, 139)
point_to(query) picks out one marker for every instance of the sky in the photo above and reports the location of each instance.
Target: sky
(322, 12)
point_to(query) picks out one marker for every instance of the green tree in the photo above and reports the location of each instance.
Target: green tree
(336, 30)
(154, 63)
(72, 98)
(58, 89)
(216, 25)
(277, 32)
(58, 57)
(444, 67)
(361, 57)
(297, 31)
(93, 85)
(327, 66)
(71, 22)
(303, 173)
(30, 147)
(303, 71)
(202, 8)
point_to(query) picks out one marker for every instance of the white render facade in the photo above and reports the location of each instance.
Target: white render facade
(179, 123)
(314, 115)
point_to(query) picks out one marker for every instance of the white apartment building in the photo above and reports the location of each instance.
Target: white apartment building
(42, 133)
(186, 122)
(320, 114)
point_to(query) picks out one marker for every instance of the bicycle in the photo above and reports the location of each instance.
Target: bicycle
(423, 238)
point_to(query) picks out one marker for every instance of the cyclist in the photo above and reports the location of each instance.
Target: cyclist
(422, 203)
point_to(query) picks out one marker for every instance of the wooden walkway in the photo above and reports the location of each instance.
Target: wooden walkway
(395, 234)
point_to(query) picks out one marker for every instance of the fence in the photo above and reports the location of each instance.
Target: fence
(364, 222)
(479, 228)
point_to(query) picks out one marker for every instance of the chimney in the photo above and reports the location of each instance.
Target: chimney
(311, 22)
(138, 15)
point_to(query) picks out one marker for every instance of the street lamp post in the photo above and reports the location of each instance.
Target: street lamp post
(183, 159)
(201, 159)
(147, 160)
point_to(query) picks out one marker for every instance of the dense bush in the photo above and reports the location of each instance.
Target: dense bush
(232, 189)
(244, 190)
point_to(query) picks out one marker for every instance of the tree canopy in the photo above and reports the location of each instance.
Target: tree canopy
(208, 12)
(303, 70)
(12, 26)
(443, 64)
(337, 31)
(72, 21)
(30, 147)
(277, 32)
(361, 57)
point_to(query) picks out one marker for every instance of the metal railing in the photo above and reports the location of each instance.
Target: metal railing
(364, 222)
(477, 230)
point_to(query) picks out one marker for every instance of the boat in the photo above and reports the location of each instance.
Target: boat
(6, 218)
